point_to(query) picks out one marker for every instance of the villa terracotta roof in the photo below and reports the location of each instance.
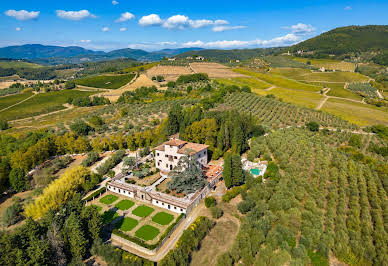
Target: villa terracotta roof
(213, 171)
(187, 146)
(190, 147)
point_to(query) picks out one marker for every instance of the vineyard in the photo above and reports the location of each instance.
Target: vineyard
(364, 89)
(326, 200)
(274, 113)
(106, 81)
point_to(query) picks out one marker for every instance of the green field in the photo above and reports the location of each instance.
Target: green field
(250, 82)
(17, 64)
(339, 91)
(6, 101)
(142, 211)
(140, 68)
(106, 81)
(124, 205)
(147, 232)
(127, 224)
(357, 113)
(280, 81)
(42, 103)
(163, 218)
(109, 216)
(108, 199)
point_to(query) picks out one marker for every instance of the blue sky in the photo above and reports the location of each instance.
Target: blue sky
(153, 25)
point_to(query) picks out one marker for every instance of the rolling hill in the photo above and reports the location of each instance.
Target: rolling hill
(345, 40)
(73, 54)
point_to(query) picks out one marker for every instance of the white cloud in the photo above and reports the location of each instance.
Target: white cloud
(75, 15)
(229, 44)
(167, 43)
(177, 22)
(301, 29)
(123, 29)
(114, 2)
(224, 28)
(18, 29)
(125, 16)
(105, 29)
(85, 41)
(22, 14)
(180, 22)
(150, 20)
(348, 8)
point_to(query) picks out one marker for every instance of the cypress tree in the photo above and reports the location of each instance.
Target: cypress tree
(237, 171)
(227, 173)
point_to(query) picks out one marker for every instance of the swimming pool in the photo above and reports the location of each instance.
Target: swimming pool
(255, 171)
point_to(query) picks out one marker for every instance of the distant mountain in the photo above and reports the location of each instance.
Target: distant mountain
(346, 40)
(74, 54)
(227, 55)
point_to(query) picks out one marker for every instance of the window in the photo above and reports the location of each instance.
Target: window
(157, 201)
(181, 210)
(158, 163)
(119, 190)
(175, 157)
(170, 167)
(157, 154)
(168, 206)
(166, 156)
(166, 165)
(163, 203)
(174, 208)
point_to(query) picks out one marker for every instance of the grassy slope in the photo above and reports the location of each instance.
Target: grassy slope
(328, 63)
(357, 113)
(12, 99)
(43, 103)
(302, 98)
(105, 81)
(18, 64)
(280, 81)
(251, 82)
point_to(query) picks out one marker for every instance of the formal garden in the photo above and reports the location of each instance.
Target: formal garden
(138, 222)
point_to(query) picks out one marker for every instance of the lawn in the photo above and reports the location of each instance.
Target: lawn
(43, 103)
(109, 216)
(105, 81)
(357, 113)
(163, 218)
(127, 224)
(280, 81)
(6, 101)
(108, 199)
(147, 232)
(124, 205)
(142, 211)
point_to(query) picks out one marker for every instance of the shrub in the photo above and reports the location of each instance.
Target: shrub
(93, 157)
(12, 214)
(18, 179)
(81, 128)
(4, 125)
(216, 212)
(245, 206)
(210, 202)
(232, 193)
(57, 192)
(111, 162)
(313, 126)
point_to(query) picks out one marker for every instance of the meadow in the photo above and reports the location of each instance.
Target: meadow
(280, 81)
(6, 101)
(42, 103)
(251, 82)
(357, 113)
(106, 81)
(328, 63)
(17, 64)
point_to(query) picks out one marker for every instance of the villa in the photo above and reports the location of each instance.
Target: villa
(167, 156)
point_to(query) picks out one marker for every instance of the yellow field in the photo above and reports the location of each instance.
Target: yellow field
(302, 98)
(357, 113)
(328, 64)
(280, 81)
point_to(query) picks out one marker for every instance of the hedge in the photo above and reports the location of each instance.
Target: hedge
(95, 193)
(232, 193)
(141, 242)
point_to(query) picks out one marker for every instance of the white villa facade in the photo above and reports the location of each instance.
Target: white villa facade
(167, 155)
